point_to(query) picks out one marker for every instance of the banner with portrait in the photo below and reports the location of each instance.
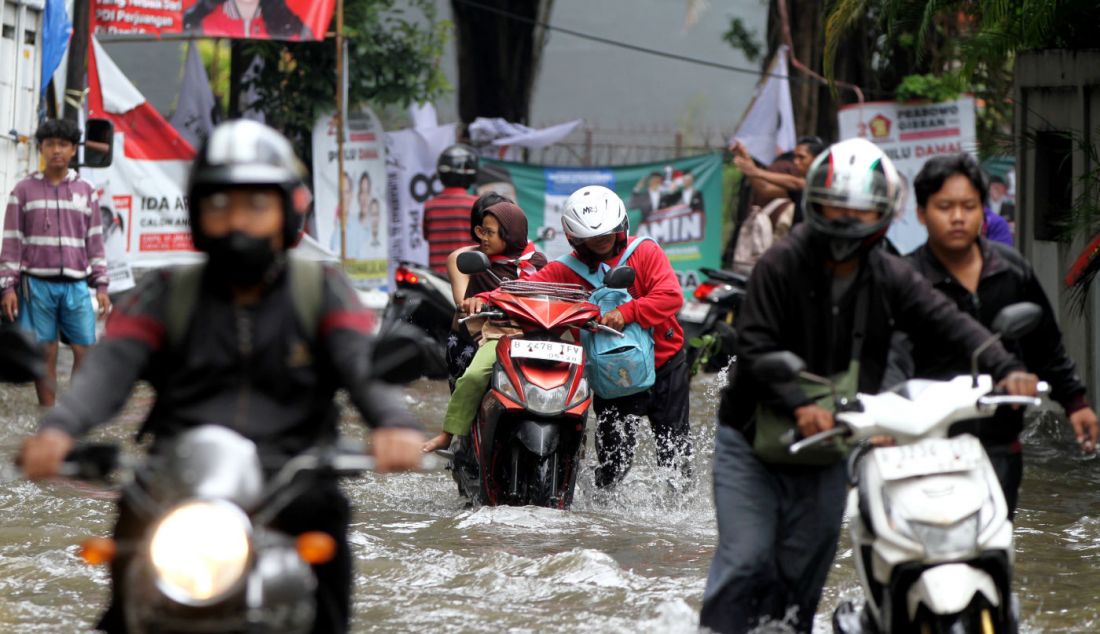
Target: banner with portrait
(252, 19)
(362, 238)
(678, 203)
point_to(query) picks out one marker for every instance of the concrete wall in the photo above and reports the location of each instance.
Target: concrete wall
(1059, 91)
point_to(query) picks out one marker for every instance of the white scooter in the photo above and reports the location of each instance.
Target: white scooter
(928, 520)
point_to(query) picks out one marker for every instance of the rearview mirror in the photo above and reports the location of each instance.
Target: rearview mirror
(778, 367)
(619, 277)
(99, 139)
(472, 262)
(1016, 320)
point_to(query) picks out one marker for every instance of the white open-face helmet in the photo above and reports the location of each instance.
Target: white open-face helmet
(591, 212)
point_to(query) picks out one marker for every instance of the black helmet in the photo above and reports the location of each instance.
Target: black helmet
(457, 166)
(244, 152)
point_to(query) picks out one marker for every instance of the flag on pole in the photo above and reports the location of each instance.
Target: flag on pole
(56, 31)
(767, 127)
(194, 115)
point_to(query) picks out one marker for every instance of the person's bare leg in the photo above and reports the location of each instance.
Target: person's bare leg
(78, 356)
(46, 387)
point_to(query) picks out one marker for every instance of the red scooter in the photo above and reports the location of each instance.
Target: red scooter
(528, 440)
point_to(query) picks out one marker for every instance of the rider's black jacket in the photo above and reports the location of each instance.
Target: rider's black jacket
(788, 306)
(1006, 278)
(253, 369)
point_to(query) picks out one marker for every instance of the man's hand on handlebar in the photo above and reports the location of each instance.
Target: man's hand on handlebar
(396, 449)
(614, 319)
(42, 454)
(1019, 383)
(813, 419)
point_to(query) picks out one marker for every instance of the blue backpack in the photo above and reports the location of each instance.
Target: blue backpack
(616, 366)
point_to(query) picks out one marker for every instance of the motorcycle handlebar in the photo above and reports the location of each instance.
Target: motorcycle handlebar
(602, 328)
(488, 313)
(819, 437)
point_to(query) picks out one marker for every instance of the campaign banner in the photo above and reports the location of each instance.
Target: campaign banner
(910, 134)
(678, 203)
(252, 19)
(411, 180)
(361, 239)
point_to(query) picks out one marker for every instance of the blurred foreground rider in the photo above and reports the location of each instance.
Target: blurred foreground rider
(447, 215)
(243, 356)
(832, 296)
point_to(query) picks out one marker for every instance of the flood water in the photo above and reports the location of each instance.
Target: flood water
(634, 561)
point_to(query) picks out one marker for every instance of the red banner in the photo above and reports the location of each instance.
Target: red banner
(256, 19)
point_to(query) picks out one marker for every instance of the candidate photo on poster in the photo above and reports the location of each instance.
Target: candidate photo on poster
(245, 19)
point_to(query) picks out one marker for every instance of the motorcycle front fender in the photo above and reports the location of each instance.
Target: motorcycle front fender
(539, 437)
(950, 588)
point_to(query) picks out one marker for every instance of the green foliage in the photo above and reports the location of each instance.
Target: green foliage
(215, 56)
(393, 48)
(932, 87)
(742, 39)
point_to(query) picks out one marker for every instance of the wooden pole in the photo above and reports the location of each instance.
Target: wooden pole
(340, 105)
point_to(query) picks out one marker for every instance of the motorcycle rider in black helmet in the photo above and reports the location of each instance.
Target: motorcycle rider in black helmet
(447, 216)
(245, 358)
(833, 296)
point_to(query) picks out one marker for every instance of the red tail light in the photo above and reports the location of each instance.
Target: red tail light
(703, 289)
(403, 275)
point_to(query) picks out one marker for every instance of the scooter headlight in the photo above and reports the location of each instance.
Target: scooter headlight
(200, 551)
(542, 401)
(581, 393)
(943, 542)
(504, 385)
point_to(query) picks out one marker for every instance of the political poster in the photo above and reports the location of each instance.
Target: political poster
(269, 19)
(411, 155)
(676, 202)
(359, 234)
(910, 134)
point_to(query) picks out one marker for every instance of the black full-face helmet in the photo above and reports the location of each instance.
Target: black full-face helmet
(457, 166)
(247, 153)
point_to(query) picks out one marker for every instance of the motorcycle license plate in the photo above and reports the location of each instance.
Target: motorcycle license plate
(695, 312)
(548, 351)
(940, 455)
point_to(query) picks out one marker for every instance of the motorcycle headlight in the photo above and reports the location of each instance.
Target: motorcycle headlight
(582, 392)
(543, 401)
(957, 539)
(504, 385)
(200, 551)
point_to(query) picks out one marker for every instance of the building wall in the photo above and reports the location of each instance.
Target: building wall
(1058, 91)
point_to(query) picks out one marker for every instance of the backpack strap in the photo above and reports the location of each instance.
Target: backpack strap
(183, 294)
(596, 279)
(306, 278)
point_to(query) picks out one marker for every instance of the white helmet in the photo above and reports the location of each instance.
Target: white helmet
(591, 212)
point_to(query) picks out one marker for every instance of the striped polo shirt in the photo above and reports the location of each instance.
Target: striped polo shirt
(53, 231)
(447, 225)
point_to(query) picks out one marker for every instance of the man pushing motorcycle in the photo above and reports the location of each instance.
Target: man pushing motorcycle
(252, 340)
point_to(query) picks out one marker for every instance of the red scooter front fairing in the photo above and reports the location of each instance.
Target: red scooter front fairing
(528, 439)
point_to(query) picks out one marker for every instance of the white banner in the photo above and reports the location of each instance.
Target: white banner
(410, 163)
(910, 134)
(364, 245)
(767, 127)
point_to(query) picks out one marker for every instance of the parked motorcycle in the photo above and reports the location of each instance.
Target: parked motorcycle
(210, 560)
(927, 517)
(708, 320)
(423, 298)
(527, 441)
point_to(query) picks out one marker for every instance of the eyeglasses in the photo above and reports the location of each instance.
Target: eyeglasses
(485, 233)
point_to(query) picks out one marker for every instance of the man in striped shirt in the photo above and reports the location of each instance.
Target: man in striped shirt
(52, 251)
(447, 215)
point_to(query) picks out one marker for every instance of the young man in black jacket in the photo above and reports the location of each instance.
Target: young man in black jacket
(982, 277)
(245, 357)
(831, 295)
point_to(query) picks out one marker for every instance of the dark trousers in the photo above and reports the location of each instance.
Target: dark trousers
(666, 406)
(777, 535)
(1008, 463)
(323, 509)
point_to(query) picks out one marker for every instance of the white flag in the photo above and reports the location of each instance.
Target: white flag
(767, 127)
(194, 115)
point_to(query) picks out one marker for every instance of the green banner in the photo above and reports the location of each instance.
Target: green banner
(676, 202)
